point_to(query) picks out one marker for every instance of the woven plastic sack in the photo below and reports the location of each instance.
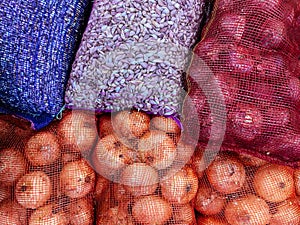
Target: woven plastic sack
(133, 55)
(38, 41)
(246, 69)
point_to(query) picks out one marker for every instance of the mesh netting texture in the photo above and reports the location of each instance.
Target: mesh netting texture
(81, 170)
(38, 40)
(249, 51)
(41, 182)
(133, 54)
(134, 168)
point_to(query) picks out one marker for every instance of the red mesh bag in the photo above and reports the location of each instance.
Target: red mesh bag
(244, 79)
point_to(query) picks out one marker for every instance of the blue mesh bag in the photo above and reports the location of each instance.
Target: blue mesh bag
(38, 40)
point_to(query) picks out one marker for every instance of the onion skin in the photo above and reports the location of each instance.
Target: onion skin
(285, 147)
(183, 214)
(175, 137)
(247, 210)
(130, 124)
(240, 60)
(208, 50)
(110, 155)
(226, 174)
(249, 160)
(77, 179)
(151, 209)
(294, 90)
(6, 130)
(5, 192)
(102, 184)
(208, 201)
(81, 212)
(297, 180)
(114, 216)
(231, 25)
(274, 34)
(165, 124)
(274, 183)
(157, 149)
(105, 126)
(77, 131)
(180, 186)
(45, 216)
(67, 157)
(260, 92)
(42, 149)
(288, 212)
(33, 190)
(120, 194)
(12, 213)
(209, 220)
(184, 155)
(139, 179)
(212, 128)
(245, 122)
(12, 166)
(228, 86)
(198, 164)
(277, 119)
(270, 68)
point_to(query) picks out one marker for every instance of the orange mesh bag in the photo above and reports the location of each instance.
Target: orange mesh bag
(41, 181)
(197, 186)
(244, 79)
(143, 177)
(243, 189)
(132, 168)
(122, 168)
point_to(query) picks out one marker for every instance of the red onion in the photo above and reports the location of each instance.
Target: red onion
(231, 25)
(273, 35)
(245, 122)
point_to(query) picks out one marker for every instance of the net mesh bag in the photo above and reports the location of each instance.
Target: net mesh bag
(231, 159)
(133, 54)
(99, 169)
(38, 41)
(42, 182)
(242, 189)
(244, 79)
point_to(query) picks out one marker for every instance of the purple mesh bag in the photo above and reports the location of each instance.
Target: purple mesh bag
(38, 40)
(133, 55)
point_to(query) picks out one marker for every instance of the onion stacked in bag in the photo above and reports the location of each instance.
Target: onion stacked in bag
(251, 49)
(43, 181)
(130, 168)
(243, 189)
